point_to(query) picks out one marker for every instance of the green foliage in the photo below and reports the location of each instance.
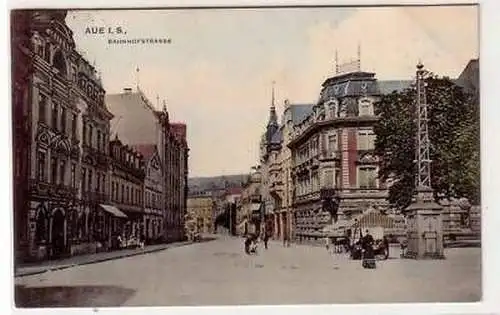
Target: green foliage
(453, 132)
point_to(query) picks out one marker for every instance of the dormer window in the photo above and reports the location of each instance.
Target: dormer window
(365, 107)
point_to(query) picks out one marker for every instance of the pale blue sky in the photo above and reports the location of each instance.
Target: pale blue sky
(216, 74)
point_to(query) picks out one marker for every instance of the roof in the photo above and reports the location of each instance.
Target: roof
(134, 119)
(389, 86)
(277, 137)
(350, 84)
(300, 111)
(469, 78)
(146, 150)
(234, 191)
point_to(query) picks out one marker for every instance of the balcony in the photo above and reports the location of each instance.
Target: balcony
(51, 190)
(95, 197)
(329, 156)
(312, 196)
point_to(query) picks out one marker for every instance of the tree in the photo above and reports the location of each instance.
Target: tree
(453, 133)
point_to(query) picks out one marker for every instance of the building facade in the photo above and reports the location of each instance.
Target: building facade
(251, 204)
(332, 148)
(272, 176)
(138, 122)
(324, 146)
(127, 191)
(62, 163)
(200, 208)
(153, 224)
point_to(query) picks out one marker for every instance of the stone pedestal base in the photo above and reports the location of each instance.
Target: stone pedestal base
(425, 227)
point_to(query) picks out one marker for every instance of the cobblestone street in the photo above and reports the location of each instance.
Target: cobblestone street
(219, 273)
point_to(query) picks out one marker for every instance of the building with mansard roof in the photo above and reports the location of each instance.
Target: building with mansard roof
(327, 144)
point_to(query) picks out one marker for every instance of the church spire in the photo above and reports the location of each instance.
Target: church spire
(273, 118)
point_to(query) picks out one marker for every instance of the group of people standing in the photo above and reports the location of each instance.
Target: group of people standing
(253, 239)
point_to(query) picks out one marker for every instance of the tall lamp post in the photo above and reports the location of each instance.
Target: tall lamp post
(425, 223)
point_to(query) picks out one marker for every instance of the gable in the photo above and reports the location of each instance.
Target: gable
(155, 161)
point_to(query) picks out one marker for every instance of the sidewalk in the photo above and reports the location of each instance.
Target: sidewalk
(52, 265)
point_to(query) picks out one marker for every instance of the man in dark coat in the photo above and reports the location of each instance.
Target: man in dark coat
(367, 244)
(266, 239)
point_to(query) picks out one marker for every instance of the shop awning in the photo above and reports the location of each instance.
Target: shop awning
(114, 211)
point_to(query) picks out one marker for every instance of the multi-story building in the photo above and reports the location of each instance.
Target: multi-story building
(138, 122)
(200, 208)
(153, 193)
(127, 190)
(332, 148)
(251, 203)
(271, 171)
(62, 163)
(326, 146)
(180, 175)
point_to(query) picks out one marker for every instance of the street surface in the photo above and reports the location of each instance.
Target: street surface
(219, 273)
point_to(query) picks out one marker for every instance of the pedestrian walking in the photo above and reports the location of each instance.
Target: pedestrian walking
(266, 239)
(286, 241)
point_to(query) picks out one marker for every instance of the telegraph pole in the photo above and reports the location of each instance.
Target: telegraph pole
(425, 223)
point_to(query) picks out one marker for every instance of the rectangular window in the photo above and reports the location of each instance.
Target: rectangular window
(53, 169)
(42, 108)
(365, 108)
(98, 140)
(112, 190)
(329, 178)
(127, 199)
(41, 166)
(54, 114)
(90, 181)
(73, 175)
(62, 172)
(367, 177)
(98, 188)
(84, 179)
(74, 126)
(104, 143)
(332, 143)
(366, 140)
(91, 134)
(123, 194)
(63, 120)
(84, 133)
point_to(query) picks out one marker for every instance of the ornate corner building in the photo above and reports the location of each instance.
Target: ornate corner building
(69, 181)
(332, 148)
(61, 151)
(323, 146)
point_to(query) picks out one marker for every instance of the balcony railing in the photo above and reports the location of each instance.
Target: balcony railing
(53, 190)
(329, 155)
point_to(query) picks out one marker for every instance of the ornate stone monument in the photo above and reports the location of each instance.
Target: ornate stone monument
(424, 217)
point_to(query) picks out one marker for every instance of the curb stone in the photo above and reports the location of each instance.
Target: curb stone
(62, 267)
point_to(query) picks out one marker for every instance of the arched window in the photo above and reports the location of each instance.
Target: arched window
(41, 227)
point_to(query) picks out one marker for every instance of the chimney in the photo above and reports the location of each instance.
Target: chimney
(127, 90)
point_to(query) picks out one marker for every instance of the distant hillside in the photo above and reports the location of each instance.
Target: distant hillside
(216, 182)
